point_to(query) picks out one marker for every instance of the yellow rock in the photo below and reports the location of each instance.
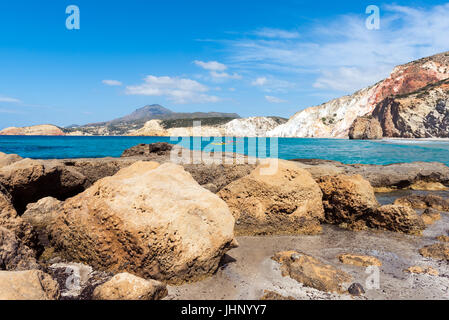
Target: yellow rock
(359, 260)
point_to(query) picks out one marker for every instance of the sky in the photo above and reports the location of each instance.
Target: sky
(255, 58)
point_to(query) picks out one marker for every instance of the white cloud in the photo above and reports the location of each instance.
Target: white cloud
(217, 70)
(224, 75)
(178, 90)
(112, 82)
(276, 33)
(261, 81)
(9, 100)
(342, 54)
(211, 65)
(272, 84)
(274, 99)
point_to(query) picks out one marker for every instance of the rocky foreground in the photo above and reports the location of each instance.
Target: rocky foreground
(144, 227)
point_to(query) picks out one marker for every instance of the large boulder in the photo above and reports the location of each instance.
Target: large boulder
(7, 159)
(285, 201)
(125, 286)
(348, 200)
(150, 220)
(312, 272)
(366, 128)
(29, 180)
(397, 218)
(27, 285)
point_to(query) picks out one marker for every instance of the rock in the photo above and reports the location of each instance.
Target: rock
(10, 220)
(27, 285)
(125, 286)
(217, 175)
(428, 186)
(39, 130)
(397, 218)
(14, 255)
(356, 289)
(159, 148)
(7, 159)
(424, 202)
(359, 260)
(154, 221)
(420, 114)
(347, 199)
(286, 202)
(76, 280)
(430, 216)
(29, 180)
(439, 251)
(392, 176)
(443, 238)
(311, 272)
(41, 216)
(365, 128)
(422, 270)
(271, 295)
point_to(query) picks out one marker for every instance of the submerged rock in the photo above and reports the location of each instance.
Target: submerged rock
(366, 128)
(430, 216)
(154, 221)
(312, 272)
(397, 218)
(439, 251)
(125, 286)
(422, 270)
(285, 201)
(359, 260)
(27, 285)
(271, 295)
(424, 202)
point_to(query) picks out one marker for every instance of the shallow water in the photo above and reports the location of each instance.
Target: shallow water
(346, 151)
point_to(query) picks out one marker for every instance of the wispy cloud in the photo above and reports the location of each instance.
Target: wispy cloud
(112, 83)
(274, 99)
(272, 84)
(342, 54)
(217, 70)
(9, 100)
(276, 33)
(178, 90)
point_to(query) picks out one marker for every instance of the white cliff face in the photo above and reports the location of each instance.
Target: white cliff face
(247, 127)
(250, 127)
(334, 118)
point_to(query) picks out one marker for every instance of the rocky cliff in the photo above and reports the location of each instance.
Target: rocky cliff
(245, 127)
(420, 114)
(40, 130)
(334, 118)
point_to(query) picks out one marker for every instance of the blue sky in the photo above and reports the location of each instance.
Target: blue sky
(250, 57)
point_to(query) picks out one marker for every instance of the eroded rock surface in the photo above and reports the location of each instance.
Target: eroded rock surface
(154, 221)
(365, 128)
(312, 272)
(424, 202)
(125, 286)
(359, 260)
(397, 218)
(439, 251)
(27, 285)
(285, 201)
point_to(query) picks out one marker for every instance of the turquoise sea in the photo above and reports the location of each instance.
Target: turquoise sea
(346, 151)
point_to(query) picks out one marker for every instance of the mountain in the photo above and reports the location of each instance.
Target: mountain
(334, 118)
(155, 111)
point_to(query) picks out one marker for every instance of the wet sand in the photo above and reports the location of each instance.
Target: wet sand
(249, 270)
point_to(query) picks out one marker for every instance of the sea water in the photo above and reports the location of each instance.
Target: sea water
(343, 150)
